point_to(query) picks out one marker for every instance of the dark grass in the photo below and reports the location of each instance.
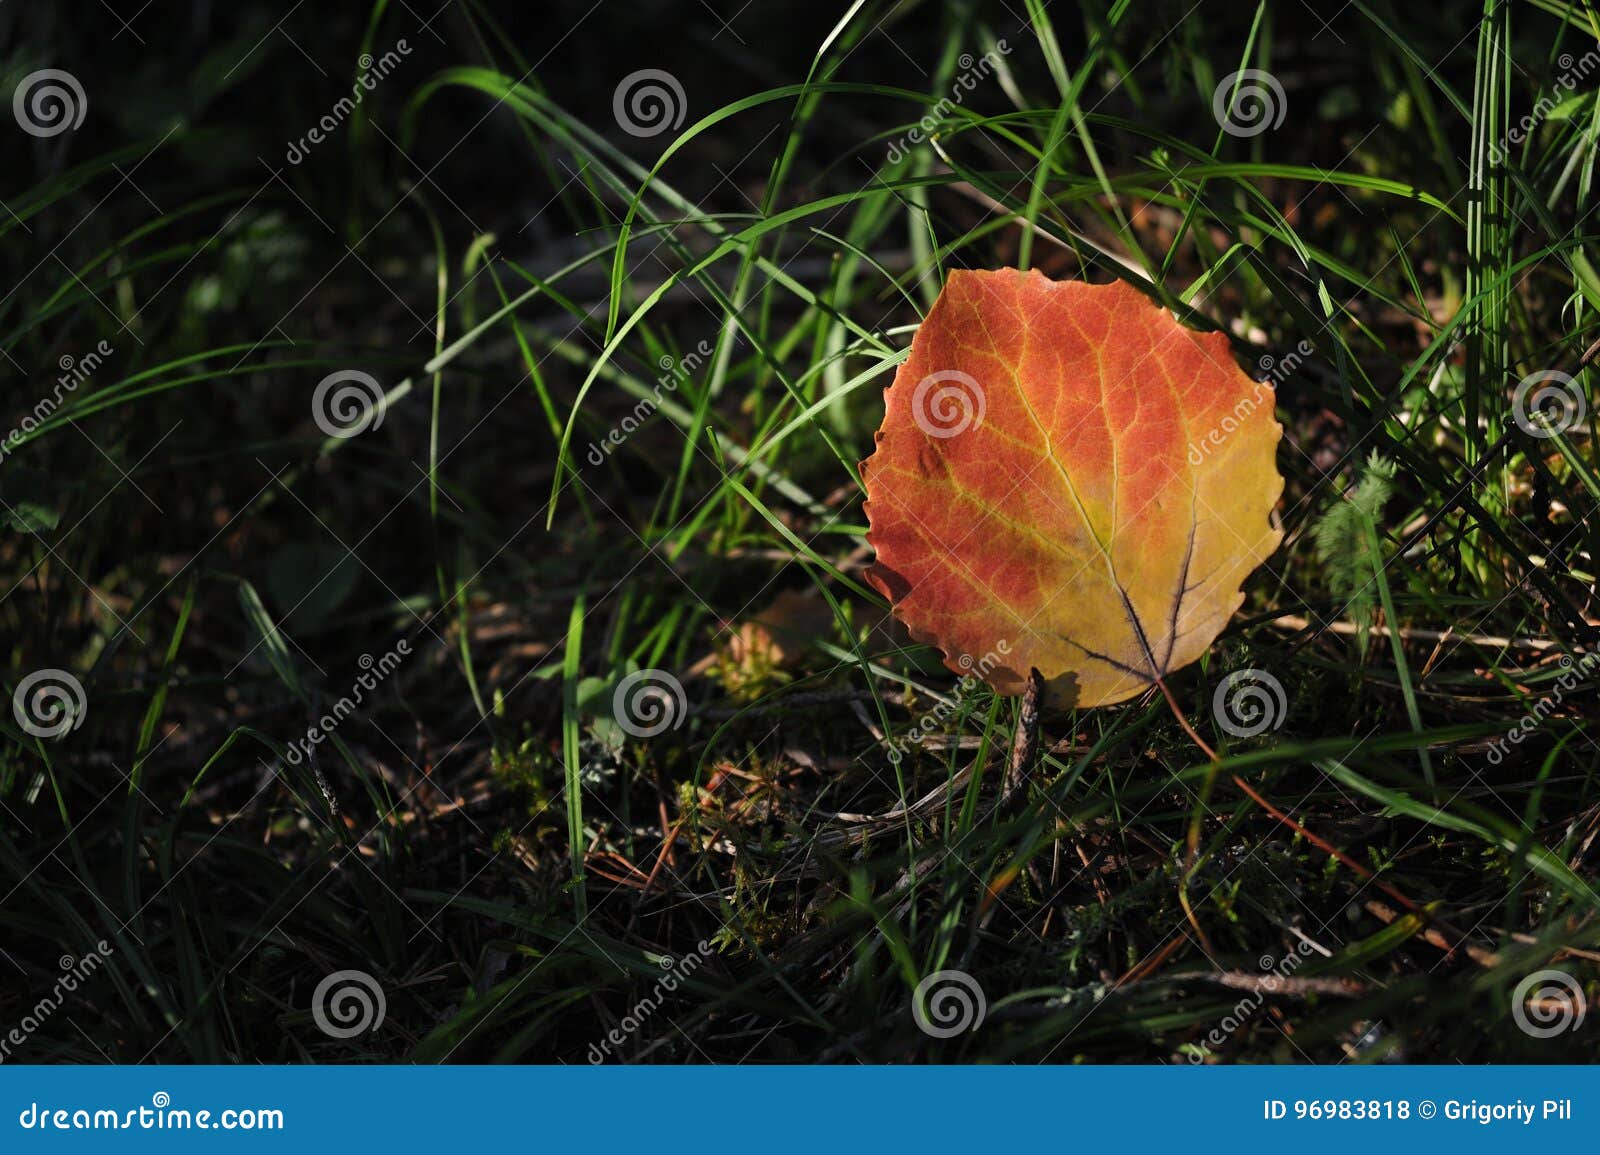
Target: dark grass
(479, 836)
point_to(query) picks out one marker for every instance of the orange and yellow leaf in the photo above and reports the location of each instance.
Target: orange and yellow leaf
(1070, 480)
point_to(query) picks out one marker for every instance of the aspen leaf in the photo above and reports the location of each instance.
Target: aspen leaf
(1070, 480)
